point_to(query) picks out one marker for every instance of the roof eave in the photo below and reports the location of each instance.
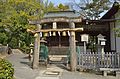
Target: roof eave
(114, 9)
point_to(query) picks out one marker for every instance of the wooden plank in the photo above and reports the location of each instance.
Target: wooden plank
(107, 62)
(79, 58)
(118, 60)
(95, 54)
(82, 59)
(96, 60)
(104, 61)
(109, 69)
(65, 56)
(116, 64)
(90, 59)
(110, 59)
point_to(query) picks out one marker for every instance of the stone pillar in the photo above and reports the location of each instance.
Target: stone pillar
(36, 48)
(73, 54)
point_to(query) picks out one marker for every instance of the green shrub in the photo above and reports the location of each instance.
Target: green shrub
(6, 69)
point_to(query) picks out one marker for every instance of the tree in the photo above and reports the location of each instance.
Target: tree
(49, 6)
(62, 7)
(91, 9)
(14, 17)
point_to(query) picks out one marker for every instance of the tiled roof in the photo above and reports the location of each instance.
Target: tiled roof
(112, 11)
(69, 14)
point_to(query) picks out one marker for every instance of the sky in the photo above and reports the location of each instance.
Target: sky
(56, 2)
(68, 1)
(61, 1)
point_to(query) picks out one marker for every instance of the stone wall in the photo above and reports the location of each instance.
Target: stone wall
(3, 50)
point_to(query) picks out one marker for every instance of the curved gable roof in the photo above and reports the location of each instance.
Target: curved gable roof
(114, 9)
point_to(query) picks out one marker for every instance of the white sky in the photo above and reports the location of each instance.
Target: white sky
(62, 1)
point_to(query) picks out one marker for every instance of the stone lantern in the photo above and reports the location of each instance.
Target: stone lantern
(101, 43)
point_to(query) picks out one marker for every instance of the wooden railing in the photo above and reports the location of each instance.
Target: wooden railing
(96, 60)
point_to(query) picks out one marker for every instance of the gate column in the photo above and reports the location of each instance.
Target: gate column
(36, 48)
(73, 55)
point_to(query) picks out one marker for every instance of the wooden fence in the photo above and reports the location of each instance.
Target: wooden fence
(96, 60)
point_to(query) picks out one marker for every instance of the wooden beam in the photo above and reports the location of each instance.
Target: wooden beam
(56, 30)
(55, 19)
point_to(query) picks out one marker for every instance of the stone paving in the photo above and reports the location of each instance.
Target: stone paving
(23, 70)
(21, 66)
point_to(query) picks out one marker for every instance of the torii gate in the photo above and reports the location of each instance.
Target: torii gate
(71, 29)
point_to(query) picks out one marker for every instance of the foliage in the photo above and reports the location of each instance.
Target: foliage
(14, 20)
(62, 7)
(91, 9)
(117, 31)
(49, 6)
(92, 43)
(117, 22)
(6, 70)
(3, 38)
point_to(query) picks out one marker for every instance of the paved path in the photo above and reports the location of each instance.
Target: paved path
(21, 66)
(23, 70)
(81, 75)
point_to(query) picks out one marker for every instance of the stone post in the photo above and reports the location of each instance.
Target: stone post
(73, 55)
(36, 48)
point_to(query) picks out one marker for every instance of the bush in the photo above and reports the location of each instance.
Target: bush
(6, 69)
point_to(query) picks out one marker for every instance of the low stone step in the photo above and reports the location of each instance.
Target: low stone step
(52, 72)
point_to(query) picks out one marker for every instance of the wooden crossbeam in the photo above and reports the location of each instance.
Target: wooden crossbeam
(57, 30)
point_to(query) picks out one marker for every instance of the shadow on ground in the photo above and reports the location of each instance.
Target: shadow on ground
(27, 57)
(26, 63)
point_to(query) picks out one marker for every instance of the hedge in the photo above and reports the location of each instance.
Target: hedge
(6, 69)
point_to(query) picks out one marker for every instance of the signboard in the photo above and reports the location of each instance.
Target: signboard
(54, 25)
(84, 37)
